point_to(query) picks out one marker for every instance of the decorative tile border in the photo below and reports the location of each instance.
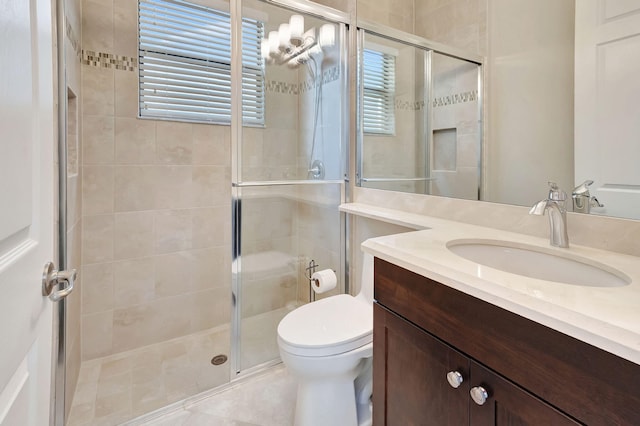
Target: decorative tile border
(109, 60)
(332, 74)
(282, 87)
(408, 105)
(458, 98)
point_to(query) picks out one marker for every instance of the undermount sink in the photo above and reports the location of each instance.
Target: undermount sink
(536, 262)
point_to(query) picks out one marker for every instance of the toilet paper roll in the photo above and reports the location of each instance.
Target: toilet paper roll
(323, 281)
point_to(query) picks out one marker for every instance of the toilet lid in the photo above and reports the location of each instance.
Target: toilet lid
(329, 326)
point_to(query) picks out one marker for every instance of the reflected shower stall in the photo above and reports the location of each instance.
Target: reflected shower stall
(420, 119)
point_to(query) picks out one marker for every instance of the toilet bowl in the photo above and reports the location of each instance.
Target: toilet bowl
(328, 346)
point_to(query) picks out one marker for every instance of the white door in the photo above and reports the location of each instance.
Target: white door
(26, 209)
(607, 103)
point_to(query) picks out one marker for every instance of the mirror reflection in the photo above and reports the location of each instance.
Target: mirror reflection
(561, 92)
(419, 120)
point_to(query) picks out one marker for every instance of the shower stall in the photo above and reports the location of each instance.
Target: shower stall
(212, 161)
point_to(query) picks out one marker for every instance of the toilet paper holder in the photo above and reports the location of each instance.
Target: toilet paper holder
(310, 270)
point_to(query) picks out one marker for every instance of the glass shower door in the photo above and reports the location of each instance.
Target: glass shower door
(288, 178)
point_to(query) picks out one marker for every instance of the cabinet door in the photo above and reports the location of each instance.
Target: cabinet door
(508, 404)
(410, 376)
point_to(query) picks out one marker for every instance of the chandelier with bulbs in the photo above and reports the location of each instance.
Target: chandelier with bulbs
(292, 45)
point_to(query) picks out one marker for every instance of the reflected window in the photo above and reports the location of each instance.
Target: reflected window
(185, 63)
(379, 86)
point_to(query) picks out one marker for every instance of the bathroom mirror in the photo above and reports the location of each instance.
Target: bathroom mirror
(561, 92)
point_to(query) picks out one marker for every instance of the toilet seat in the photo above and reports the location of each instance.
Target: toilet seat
(327, 327)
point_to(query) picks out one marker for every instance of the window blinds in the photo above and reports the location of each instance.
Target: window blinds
(379, 92)
(185, 63)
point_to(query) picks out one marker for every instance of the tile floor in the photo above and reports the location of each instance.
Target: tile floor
(267, 399)
(117, 388)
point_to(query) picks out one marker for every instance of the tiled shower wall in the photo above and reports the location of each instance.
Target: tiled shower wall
(455, 154)
(156, 195)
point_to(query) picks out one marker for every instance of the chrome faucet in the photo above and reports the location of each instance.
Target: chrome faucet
(555, 203)
(582, 200)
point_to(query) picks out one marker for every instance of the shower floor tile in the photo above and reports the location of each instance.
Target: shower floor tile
(117, 388)
(267, 399)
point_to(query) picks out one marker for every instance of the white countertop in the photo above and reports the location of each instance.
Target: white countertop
(608, 318)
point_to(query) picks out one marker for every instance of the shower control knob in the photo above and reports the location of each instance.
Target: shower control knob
(455, 379)
(479, 395)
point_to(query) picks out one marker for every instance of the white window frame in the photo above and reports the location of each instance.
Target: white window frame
(185, 64)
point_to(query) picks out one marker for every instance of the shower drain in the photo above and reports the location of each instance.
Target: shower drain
(219, 359)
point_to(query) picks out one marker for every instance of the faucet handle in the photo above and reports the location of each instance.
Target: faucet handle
(555, 193)
(583, 188)
(595, 203)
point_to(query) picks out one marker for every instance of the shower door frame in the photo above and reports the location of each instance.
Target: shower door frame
(343, 20)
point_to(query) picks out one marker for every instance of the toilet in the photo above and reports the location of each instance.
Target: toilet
(327, 346)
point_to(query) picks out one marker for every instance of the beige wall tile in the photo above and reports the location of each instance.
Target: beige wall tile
(210, 308)
(126, 93)
(97, 189)
(173, 231)
(135, 188)
(208, 226)
(211, 186)
(134, 234)
(97, 25)
(134, 282)
(174, 144)
(125, 25)
(97, 288)
(173, 274)
(98, 139)
(135, 141)
(210, 268)
(97, 91)
(158, 320)
(173, 187)
(97, 238)
(211, 145)
(97, 333)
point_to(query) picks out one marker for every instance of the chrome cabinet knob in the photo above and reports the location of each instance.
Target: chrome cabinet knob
(455, 379)
(479, 395)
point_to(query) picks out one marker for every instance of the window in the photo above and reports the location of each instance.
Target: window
(185, 63)
(379, 92)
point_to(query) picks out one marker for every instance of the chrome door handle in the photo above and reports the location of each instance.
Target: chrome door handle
(52, 278)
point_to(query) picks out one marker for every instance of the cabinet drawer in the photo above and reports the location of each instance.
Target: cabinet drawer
(592, 385)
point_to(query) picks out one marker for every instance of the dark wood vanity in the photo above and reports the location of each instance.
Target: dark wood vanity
(532, 374)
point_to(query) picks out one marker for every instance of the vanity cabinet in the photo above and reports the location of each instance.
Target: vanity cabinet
(533, 375)
(414, 389)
